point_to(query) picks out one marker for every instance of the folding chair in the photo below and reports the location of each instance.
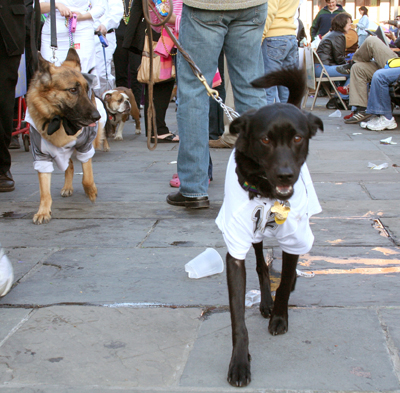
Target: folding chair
(323, 79)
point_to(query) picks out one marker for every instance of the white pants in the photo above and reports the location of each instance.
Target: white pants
(100, 70)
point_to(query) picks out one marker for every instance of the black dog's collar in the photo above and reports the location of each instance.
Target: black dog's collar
(248, 187)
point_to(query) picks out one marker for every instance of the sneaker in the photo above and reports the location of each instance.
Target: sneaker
(344, 90)
(6, 274)
(358, 117)
(14, 143)
(220, 144)
(373, 120)
(349, 116)
(345, 69)
(382, 123)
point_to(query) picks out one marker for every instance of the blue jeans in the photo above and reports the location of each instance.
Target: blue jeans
(379, 102)
(279, 52)
(331, 70)
(203, 34)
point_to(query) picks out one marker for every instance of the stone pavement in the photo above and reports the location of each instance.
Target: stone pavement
(101, 301)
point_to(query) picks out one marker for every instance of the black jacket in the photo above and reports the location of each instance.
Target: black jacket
(332, 49)
(12, 26)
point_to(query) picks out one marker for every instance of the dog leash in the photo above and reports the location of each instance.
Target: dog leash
(230, 113)
(53, 30)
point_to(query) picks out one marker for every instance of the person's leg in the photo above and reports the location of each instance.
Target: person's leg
(291, 60)
(379, 102)
(162, 95)
(121, 61)
(333, 73)
(136, 86)
(201, 34)
(8, 81)
(244, 56)
(374, 48)
(361, 74)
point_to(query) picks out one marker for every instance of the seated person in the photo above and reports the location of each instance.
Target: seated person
(370, 57)
(379, 102)
(331, 50)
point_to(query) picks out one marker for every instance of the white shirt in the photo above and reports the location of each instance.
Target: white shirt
(112, 16)
(244, 221)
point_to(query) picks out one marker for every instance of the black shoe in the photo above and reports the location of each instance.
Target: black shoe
(177, 199)
(14, 144)
(345, 69)
(6, 182)
(358, 117)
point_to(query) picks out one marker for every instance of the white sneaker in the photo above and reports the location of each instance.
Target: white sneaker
(6, 274)
(373, 120)
(383, 124)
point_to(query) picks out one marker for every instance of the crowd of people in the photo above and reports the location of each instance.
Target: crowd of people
(253, 36)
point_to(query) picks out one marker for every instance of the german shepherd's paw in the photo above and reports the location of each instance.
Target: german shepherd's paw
(278, 325)
(67, 192)
(91, 192)
(42, 218)
(239, 374)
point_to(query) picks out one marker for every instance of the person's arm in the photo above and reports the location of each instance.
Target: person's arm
(391, 22)
(97, 10)
(63, 9)
(315, 27)
(363, 23)
(111, 18)
(339, 49)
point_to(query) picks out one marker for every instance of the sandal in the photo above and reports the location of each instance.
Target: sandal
(175, 182)
(169, 138)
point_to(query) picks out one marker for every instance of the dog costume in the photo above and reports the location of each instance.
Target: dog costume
(244, 221)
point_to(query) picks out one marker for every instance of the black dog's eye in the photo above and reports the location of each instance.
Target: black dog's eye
(74, 90)
(266, 141)
(298, 138)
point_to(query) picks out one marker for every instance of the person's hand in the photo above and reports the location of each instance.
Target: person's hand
(395, 49)
(391, 36)
(102, 29)
(64, 10)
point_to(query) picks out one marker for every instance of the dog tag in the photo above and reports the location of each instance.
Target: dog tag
(281, 211)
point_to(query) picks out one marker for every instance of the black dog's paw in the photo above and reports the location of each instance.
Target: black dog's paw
(266, 309)
(278, 325)
(239, 374)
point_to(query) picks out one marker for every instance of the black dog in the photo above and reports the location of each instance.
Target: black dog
(268, 193)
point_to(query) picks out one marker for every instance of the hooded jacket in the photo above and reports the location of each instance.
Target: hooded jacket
(322, 22)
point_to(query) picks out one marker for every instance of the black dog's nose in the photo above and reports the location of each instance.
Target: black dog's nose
(285, 176)
(95, 115)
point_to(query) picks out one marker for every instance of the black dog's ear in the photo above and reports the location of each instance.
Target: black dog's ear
(240, 123)
(314, 123)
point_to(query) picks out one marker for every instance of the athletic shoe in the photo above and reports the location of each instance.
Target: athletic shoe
(358, 117)
(382, 124)
(344, 89)
(6, 274)
(350, 115)
(373, 120)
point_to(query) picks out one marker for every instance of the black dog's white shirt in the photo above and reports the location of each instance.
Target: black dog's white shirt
(244, 221)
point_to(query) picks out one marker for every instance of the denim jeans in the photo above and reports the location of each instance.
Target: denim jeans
(331, 70)
(279, 52)
(203, 34)
(379, 102)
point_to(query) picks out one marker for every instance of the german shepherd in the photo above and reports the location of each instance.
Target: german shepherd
(268, 193)
(62, 118)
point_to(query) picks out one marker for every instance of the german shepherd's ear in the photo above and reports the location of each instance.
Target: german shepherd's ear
(44, 70)
(314, 124)
(72, 60)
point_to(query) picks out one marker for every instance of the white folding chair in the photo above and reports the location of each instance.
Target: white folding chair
(323, 79)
